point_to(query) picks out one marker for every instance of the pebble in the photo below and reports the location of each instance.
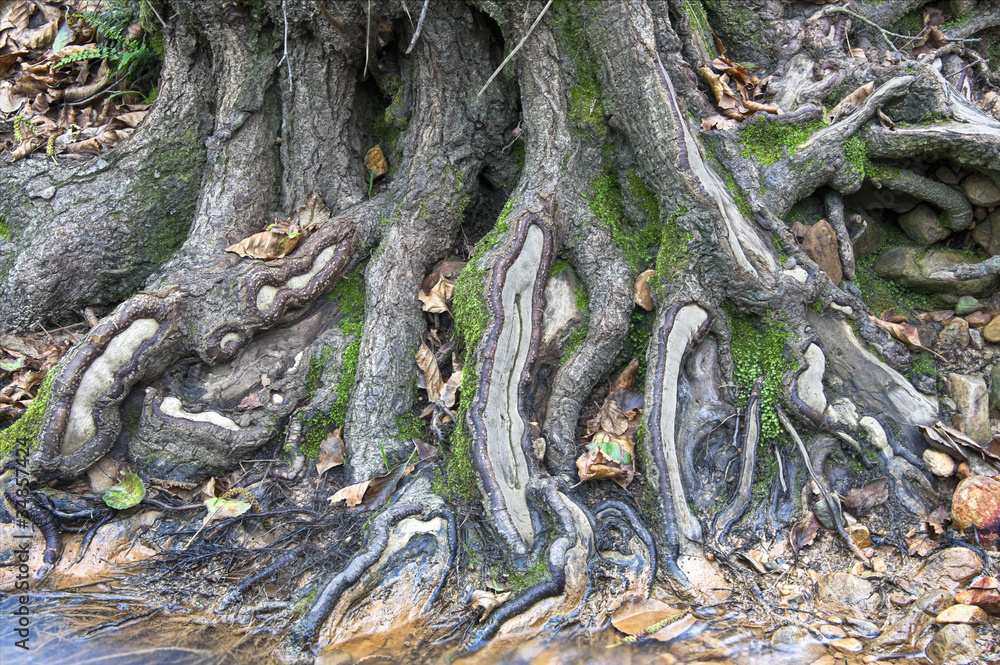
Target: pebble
(940, 464)
(981, 191)
(848, 645)
(962, 614)
(992, 331)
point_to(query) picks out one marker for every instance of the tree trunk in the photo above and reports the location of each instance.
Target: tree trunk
(263, 105)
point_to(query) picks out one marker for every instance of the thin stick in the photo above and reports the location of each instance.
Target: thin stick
(284, 56)
(368, 30)
(838, 519)
(157, 15)
(420, 25)
(516, 48)
(405, 9)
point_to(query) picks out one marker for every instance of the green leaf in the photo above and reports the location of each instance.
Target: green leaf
(219, 508)
(127, 493)
(615, 452)
(13, 365)
(63, 37)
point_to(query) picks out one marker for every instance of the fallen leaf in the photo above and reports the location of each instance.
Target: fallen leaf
(804, 532)
(637, 616)
(487, 601)
(127, 493)
(450, 390)
(920, 545)
(251, 401)
(375, 162)
(907, 333)
(938, 519)
(312, 214)
(265, 245)
(641, 294)
(219, 508)
(432, 374)
(851, 102)
(331, 452)
(438, 288)
(859, 501)
(718, 122)
(353, 495)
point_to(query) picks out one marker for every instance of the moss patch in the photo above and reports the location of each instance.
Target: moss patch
(350, 294)
(23, 434)
(585, 96)
(673, 253)
(637, 241)
(879, 293)
(758, 350)
(765, 141)
(471, 317)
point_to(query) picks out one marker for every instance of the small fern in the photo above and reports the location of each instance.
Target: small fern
(132, 58)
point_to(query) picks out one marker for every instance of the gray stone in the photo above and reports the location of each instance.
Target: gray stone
(955, 644)
(848, 594)
(981, 191)
(908, 628)
(955, 334)
(976, 339)
(923, 225)
(966, 305)
(946, 175)
(987, 234)
(910, 266)
(995, 386)
(969, 393)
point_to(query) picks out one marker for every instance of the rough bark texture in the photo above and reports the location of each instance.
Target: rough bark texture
(617, 176)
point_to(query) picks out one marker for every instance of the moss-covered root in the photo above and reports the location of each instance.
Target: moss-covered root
(955, 208)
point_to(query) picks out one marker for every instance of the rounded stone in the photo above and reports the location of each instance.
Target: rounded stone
(981, 191)
(976, 502)
(954, 644)
(992, 330)
(938, 463)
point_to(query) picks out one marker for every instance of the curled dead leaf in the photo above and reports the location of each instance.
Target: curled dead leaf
(804, 532)
(851, 102)
(641, 294)
(487, 601)
(859, 501)
(432, 374)
(331, 452)
(265, 245)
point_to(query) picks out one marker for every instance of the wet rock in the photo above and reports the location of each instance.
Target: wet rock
(976, 339)
(987, 233)
(972, 399)
(955, 334)
(995, 386)
(955, 644)
(976, 502)
(967, 305)
(820, 244)
(910, 626)
(848, 645)
(938, 463)
(911, 267)
(847, 594)
(984, 592)
(978, 319)
(981, 191)
(962, 614)
(950, 569)
(992, 330)
(796, 639)
(946, 175)
(831, 632)
(923, 225)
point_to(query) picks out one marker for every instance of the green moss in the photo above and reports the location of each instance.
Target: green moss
(879, 293)
(130, 419)
(909, 23)
(857, 154)
(23, 434)
(924, 363)
(518, 152)
(699, 22)
(411, 426)
(765, 140)
(519, 581)
(585, 97)
(300, 608)
(640, 330)
(758, 350)
(739, 196)
(471, 317)
(349, 293)
(4, 231)
(736, 22)
(315, 372)
(673, 253)
(636, 241)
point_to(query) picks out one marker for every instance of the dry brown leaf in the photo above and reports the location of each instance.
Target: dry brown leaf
(375, 162)
(804, 532)
(939, 519)
(20, 14)
(131, 119)
(450, 390)
(718, 122)
(487, 601)
(858, 54)
(906, 333)
(40, 37)
(353, 495)
(265, 245)
(641, 294)
(312, 214)
(920, 545)
(950, 440)
(859, 501)
(251, 401)
(331, 452)
(432, 374)
(437, 299)
(637, 616)
(851, 102)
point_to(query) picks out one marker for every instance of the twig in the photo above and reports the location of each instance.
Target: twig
(838, 519)
(516, 48)
(406, 9)
(368, 30)
(885, 33)
(420, 25)
(284, 55)
(157, 15)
